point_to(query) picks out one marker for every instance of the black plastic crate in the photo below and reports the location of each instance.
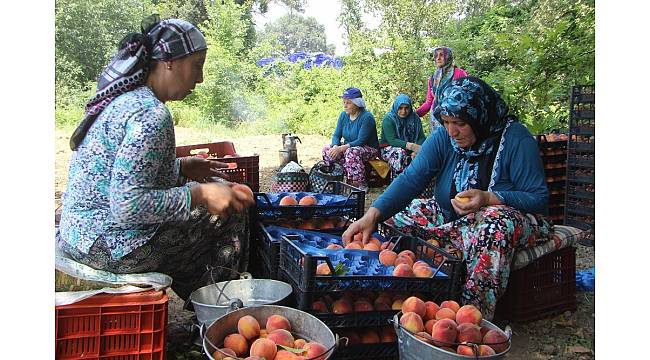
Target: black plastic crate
(353, 206)
(579, 146)
(583, 94)
(381, 351)
(581, 190)
(543, 288)
(300, 267)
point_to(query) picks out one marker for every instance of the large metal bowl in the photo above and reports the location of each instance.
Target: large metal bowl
(411, 348)
(213, 301)
(303, 325)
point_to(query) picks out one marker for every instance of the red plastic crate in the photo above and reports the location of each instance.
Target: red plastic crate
(545, 287)
(112, 326)
(248, 167)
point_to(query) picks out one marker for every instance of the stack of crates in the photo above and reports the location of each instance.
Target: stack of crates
(581, 171)
(266, 248)
(553, 151)
(338, 300)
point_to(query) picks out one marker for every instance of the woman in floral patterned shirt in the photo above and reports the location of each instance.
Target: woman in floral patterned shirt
(130, 205)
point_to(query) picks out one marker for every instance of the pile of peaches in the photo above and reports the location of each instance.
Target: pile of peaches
(321, 223)
(451, 327)
(368, 335)
(275, 342)
(351, 301)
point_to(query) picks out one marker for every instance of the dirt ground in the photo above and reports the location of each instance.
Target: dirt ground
(566, 336)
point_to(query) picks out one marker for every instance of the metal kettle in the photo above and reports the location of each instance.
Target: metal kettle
(289, 150)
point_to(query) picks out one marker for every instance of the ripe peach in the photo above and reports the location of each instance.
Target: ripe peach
(244, 189)
(342, 306)
(327, 224)
(237, 343)
(404, 260)
(411, 322)
(275, 322)
(308, 200)
(451, 304)
(420, 263)
(462, 199)
(220, 354)
(288, 201)
(445, 313)
(319, 306)
(315, 351)
(468, 314)
(334, 247)
(381, 306)
(281, 337)
(363, 305)
(408, 253)
(371, 247)
(414, 304)
(299, 343)
(370, 336)
(397, 304)
(387, 336)
(485, 350)
(387, 257)
(468, 332)
(484, 330)
(428, 325)
(466, 349)
(285, 355)
(497, 340)
(444, 331)
(307, 225)
(423, 272)
(265, 348)
(248, 327)
(403, 270)
(431, 310)
(323, 269)
(374, 240)
(354, 246)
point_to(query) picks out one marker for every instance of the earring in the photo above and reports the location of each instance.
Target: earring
(169, 66)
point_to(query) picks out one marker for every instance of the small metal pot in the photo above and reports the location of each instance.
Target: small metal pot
(303, 325)
(213, 301)
(411, 348)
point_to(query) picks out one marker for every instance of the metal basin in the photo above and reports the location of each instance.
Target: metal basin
(213, 301)
(303, 325)
(411, 348)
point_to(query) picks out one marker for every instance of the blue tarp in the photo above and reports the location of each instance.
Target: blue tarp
(310, 60)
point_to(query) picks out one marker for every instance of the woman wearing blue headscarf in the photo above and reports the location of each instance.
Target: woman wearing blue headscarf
(401, 135)
(490, 195)
(128, 206)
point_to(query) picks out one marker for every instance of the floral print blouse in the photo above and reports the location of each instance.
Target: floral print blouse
(124, 178)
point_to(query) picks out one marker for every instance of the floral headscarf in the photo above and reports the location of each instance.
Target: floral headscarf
(407, 128)
(165, 40)
(480, 106)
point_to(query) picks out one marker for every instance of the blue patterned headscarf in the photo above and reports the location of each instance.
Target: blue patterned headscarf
(407, 128)
(165, 40)
(479, 105)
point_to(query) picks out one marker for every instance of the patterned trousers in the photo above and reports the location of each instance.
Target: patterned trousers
(181, 250)
(397, 158)
(354, 161)
(487, 239)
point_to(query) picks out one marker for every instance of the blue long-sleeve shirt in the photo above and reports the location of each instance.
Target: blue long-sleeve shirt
(520, 181)
(360, 132)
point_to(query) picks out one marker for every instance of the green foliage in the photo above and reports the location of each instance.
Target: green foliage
(532, 51)
(291, 33)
